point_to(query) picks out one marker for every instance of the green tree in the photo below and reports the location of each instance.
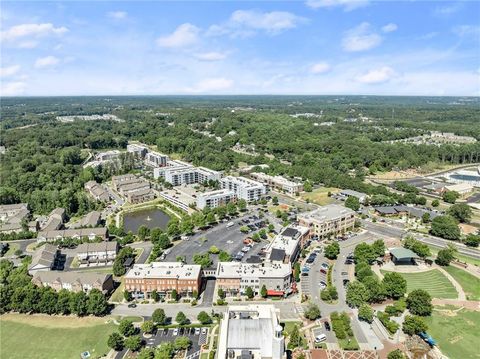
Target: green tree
(143, 232)
(155, 296)
(263, 291)
(146, 353)
(295, 338)
(376, 290)
(462, 212)
(221, 293)
(203, 260)
(242, 205)
(378, 248)
(126, 327)
(353, 203)
(312, 312)
(444, 257)
(450, 196)
(214, 250)
(181, 318)
(127, 295)
(357, 294)
(364, 252)
(231, 208)
(224, 257)
(271, 227)
(426, 217)
(115, 341)
(435, 203)
(148, 327)
(174, 295)
(396, 354)
(419, 302)
(414, 325)
(365, 313)
(165, 351)
(472, 240)
(134, 343)
(307, 186)
(186, 226)
(159, 316)
(249, 292)
(182, 343)
(275, 201)
(211, 219)
(96, 303)
(204, 318)
(395, 285)
(332, 250)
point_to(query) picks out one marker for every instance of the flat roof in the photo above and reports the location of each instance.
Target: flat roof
(172, 270)
(242, 181)
(326, 213)
(239, 270)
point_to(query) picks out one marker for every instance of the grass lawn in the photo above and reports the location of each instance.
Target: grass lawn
(131, 318)
(117, 296)
(320, 195)
(204, 356)
(12, 247)
(460, 257)
(39, 336)
(469, 283)
(433, 281)
(288, 326)
(456, 332)
(348, 344)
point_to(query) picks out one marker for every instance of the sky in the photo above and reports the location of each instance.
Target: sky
(317, 47)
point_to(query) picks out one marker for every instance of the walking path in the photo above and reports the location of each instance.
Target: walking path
(458, 287)
(473, 270)
(468, 304)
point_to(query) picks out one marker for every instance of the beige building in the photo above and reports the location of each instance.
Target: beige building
(90, 233)
(74, 281)
(328, 220)
(278, 182)
(11, 217)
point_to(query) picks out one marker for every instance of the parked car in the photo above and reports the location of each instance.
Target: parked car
(322, 285)
(325, 266)
(175, 332)
(327, 326)
(132, 305)
(345, 282)
(197, 331)
(320, 338)
(204, 330)
(245, 249)
(323, 270)
(344, 273)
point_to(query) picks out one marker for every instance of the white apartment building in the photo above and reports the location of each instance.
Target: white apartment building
(156, 159)
(244, 188)
(215, 199)
(235, 277)
(107, 156)
(191, 175)
(286, 246)
(328, 220)
(251, 332)
(98, 252)
(138, 150)
(171, 165)
(278, 182)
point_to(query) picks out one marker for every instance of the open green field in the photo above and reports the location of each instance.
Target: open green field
(39, 336)
(433, 281)
(469, 283)
(12, 247)
(320, 195)
(117, 296)
(456, 332)
(460, 257)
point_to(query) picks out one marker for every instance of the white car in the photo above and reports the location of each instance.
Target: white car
(175, 332)
(204, 330)
(320, 338)
(245, 249)
(197, 331)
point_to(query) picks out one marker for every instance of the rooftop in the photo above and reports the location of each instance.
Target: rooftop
(239, 269)
(97, 247)
(402, 253)
(327, 213)
(176, 270)
(82, 277)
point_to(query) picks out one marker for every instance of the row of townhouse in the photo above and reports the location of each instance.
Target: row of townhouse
(78, 233)
(134, 188)
(330, 220)
(278, 182)
(74, 281)
(12, 216)
(97, 252)
(97, 191)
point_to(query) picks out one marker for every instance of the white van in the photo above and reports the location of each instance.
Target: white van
(320, 338)
(230, 224)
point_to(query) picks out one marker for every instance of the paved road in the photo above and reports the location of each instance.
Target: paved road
(22, 243)
(147, 249)
(208, 293)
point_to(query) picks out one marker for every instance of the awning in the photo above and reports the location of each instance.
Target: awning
(272, 292)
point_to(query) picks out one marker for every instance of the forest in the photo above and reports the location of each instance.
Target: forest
(42, 163)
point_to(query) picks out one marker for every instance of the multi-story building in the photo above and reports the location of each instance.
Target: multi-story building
(214, 199)
(235, 277)
(12, 216)
(244, 188)
(140, 196)
(108, 156)
(171, 165)
(138, 150)
(97, 253)
(286, 246)
(55, 220)
(251, 332)
(278, 182)
(97, 191)
(44, 259)
(328, 220)
(90, 233)
(74, 281)
(190, 175)
(118, 180)
(135, 189)
(155, 159)
(344, 194)
(163, 277)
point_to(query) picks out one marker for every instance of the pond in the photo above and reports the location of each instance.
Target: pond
(151, 218)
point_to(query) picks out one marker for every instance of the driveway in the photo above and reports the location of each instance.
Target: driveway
(208, 293)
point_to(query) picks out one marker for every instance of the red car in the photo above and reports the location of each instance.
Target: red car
(323, 271)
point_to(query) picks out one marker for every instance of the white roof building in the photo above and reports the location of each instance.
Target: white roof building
(244, 188)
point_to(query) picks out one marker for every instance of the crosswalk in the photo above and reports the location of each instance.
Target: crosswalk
(193, 355)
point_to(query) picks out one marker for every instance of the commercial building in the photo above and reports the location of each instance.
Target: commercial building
(12, 216)
(235, 277)
(90, 233)
(155, 159)
(97, 253)
(350, 193)
(251, 332)
(328, 220)
(74, 281)
(278, 182)
(139, 150)
(215, 199)
(286, 246)
(97, 191)
(163, 277)
(402, 255)
(244, 188)
(44, 259)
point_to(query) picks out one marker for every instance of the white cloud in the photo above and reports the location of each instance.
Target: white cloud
(117, 15)
(211, 56)
(447, 10)
(46, 62)
(212, 85)
(9, 70)
(12, 88)
(320, 68)
(361, 38)
(467, 30)
(184, 35)
(390, 27)
(28, 44)
(376, 76)
(348, 5)
(247, 22)
(34, 30)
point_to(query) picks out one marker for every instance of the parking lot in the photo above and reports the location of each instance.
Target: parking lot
(198, 336)
(226, 238)
(321, 329)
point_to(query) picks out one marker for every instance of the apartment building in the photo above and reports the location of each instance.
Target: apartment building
(191, 175)
(139, 150)
(108, 156)
(171, 165)
(215, 199)
(156, 159)
(74, 281)
(97, 253)
(97, 191)
(118, 180)
(12, 216)
(163, 277)
(244, 188)
(135, 189)
(286, 246)
(251, 332)
(90, 233)
(235, 277)
(328, 220)
(278, 182)
(44, 259)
